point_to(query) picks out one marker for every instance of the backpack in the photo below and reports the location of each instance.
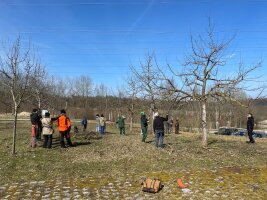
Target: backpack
(151, 185)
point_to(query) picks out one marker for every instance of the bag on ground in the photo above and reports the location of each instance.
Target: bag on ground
(151, 185)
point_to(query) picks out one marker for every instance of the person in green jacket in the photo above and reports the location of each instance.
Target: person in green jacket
(144, 125)
(121, 124)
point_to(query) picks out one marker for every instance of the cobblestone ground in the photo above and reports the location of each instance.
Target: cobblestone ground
(221, 183)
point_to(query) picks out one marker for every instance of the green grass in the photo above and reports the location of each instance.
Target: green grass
(115, 154)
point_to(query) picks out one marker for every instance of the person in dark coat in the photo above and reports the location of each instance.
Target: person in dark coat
(250, 127)
(158, 128)
(84, 123)
(35, 121)
(144, 125)
(177, 126)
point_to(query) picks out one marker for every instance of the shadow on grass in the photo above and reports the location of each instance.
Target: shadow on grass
(213, 142)
(81, 144)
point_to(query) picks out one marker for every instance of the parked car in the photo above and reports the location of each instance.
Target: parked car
(240, 132)
(226, 131)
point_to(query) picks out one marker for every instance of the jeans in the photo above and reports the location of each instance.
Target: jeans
(102, 130)
(47, 141)
(159, 138)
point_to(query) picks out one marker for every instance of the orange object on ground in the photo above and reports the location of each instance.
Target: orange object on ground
(180, 183)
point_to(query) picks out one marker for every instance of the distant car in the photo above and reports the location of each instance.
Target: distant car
(242, 132)
(227, 131)
(259, 134)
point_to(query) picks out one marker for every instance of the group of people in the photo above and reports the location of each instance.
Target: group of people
(100, 124)
(159, 127)
(44, 126)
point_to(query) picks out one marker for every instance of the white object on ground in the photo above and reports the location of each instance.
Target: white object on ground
(186, 190)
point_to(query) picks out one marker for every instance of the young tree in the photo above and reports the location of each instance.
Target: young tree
(17, 66)
(204, 78)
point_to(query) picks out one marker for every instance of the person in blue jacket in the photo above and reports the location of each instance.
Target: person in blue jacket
(84, 123)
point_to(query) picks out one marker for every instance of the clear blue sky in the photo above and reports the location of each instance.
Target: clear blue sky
(101, 38)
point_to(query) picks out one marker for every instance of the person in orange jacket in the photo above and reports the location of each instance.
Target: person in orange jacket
(64, 127)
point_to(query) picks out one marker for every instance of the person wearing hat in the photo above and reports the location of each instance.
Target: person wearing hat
(158, 128)
(144, 125)
(64, 127)
(121, 124)
(47, 130)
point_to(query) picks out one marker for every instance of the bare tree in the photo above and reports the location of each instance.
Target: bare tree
(204, 78)
(83, 87)
(133, 88)
(147, 76)
(38, 84)
(16, 68)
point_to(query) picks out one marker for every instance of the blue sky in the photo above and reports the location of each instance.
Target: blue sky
(100, 38)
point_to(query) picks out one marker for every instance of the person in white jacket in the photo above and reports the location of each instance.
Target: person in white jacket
(47, 130)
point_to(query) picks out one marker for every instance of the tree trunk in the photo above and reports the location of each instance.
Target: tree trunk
(151, 120)
(14, 131)
(106, 105)
(217, 118)
(132, 114)
(131, 123)
(204, 124)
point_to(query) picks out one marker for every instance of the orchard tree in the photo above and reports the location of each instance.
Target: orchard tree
(204, 75)
(17, 67)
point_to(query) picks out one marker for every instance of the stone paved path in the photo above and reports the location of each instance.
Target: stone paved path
(221, 183)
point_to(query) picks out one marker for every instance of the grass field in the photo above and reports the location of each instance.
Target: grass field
(121, 155)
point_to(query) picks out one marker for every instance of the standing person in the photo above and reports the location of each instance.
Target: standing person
(177, 126)
(121, 124)
(40, 130)
(170, 124)
(102, 123)
(158, 127)
(97, 117)
(250, 127)
(144, 125)
(166, 126)
(84, 123)
(64, 127)
(47, 130)
(35, 121)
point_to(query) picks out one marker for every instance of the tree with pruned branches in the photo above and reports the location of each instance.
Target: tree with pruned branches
(147, 76)
(204, 78)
